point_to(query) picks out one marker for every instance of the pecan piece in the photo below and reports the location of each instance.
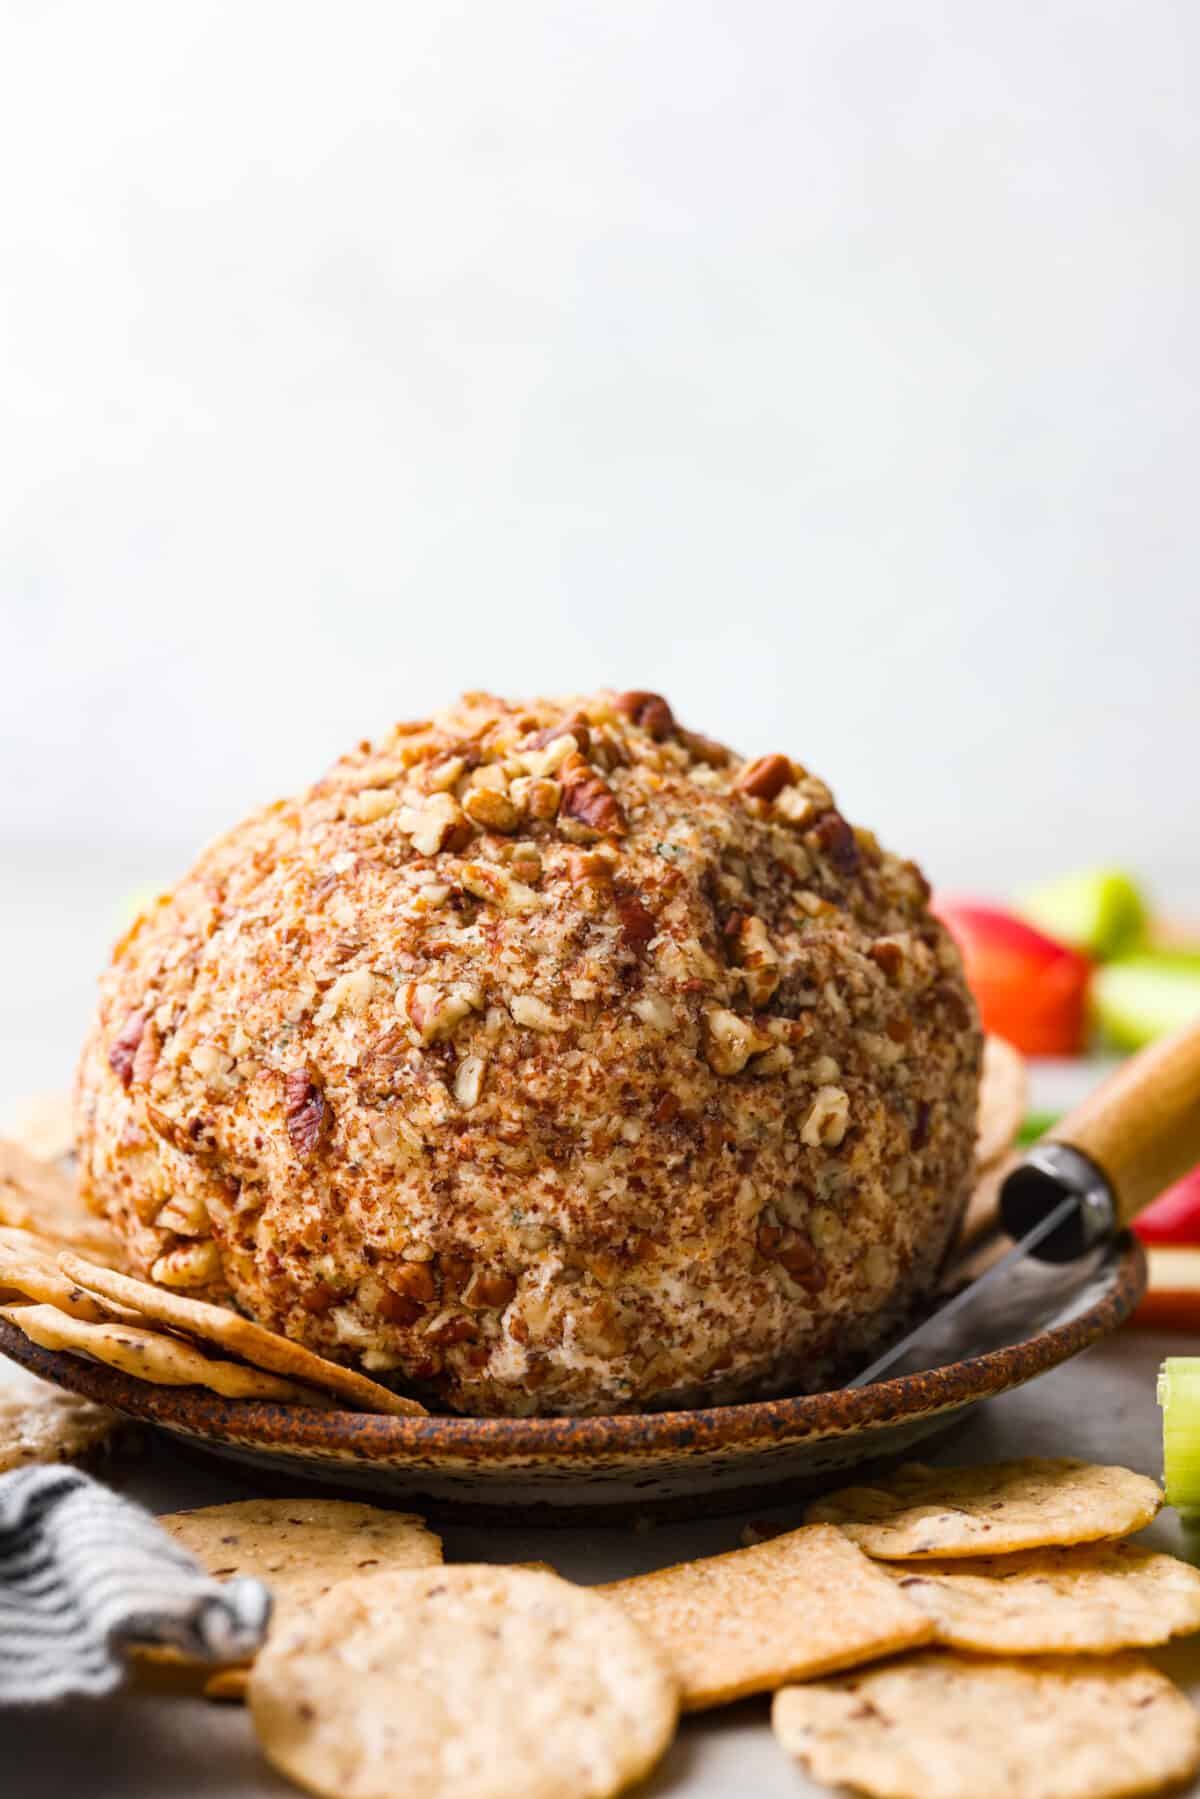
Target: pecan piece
(124, 1047)
(705, 749)
(794, 1252)
(731, 1041)
(576, 726)
(414, 1280)
(588, 799)
(320, 1297)
(307, 1116)
(919, 1135)
(190, 1136)
(828, 1118)
(453, 1330)
(188, 1265)
(837, 839)
(489, 1290)
(648, 710)
(766, 776)
(638, 925)
(887, 954)
(395, 1308)
(755, 954)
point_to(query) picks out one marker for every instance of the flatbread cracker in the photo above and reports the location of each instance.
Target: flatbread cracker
(1090, 1600)
(943, 1726)
(152, 1356)
(302, 1547)
(229, 1685)
(1003, 1098)
(29, 1270)
(42, 1125)
(798, 1605)
(462, 1683)
(1042, 1501)
(42, 1197)
(241, 1336)
(41, 1423)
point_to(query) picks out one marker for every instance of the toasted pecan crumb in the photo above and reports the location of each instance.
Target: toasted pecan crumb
(306, 1114)
(125, 1047)
(763, 778)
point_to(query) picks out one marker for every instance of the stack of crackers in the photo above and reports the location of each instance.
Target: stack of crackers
(956, 1633)
(62, 1286)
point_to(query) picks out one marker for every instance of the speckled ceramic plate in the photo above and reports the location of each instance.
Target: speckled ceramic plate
(722, 1458)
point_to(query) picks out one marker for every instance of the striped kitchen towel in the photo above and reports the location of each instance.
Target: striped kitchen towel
(85, 1574)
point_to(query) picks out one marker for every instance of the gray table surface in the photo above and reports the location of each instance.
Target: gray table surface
(143, 1745)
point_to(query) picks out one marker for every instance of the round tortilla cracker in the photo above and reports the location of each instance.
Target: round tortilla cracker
(1090, 1600)
(41, 1423)
(1041, 1501)
(475, 1682)
(302, 1547)
(938, 1725)
(42, 1124)
(42, 1197)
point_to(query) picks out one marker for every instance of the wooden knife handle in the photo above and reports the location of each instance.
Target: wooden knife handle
(1141, 1127)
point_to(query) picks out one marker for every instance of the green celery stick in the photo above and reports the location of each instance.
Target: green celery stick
(1035, 1125)
(1140, 998)
(1179, 1397)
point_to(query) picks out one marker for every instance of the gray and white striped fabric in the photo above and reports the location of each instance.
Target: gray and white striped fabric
(84, 1574)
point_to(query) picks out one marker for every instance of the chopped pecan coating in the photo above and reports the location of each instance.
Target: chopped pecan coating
(305, 1112)
(549, 1055)
(837, 839)
(649, 710)
(637, 924)
(125, 1047)
(588, 799)
(765, 777)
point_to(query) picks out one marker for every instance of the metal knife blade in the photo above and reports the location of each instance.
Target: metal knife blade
(970, 1301)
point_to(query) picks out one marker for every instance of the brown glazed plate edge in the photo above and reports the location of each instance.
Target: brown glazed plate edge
(638, 1437)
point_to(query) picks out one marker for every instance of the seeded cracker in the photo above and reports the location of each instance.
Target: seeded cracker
(151, 1356)
(42, 1125)
(1003, 1092)
(41, 1197)
(241, 1336)
(944, 1726)
(29, 1268)
(41, 1423)
(302, 1547)
(1090, 1600)
(1041, 1501)
(746, 1622)
(462, 1683)
(229, 1685)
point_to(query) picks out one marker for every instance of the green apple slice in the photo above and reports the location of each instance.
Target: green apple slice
(1099, 911)
(1141, 998)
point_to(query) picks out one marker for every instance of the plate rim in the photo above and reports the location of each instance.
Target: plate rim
(742, 1427)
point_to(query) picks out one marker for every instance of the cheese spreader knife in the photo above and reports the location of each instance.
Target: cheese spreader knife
(1081, 1183)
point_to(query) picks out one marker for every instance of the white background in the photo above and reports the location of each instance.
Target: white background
(830, 367)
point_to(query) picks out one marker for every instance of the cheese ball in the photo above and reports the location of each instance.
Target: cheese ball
(544, 1058)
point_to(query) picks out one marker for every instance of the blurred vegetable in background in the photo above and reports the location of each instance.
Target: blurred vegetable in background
(1099, 912)
(1146, 996)
(1030, 989)
(1080, 960)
